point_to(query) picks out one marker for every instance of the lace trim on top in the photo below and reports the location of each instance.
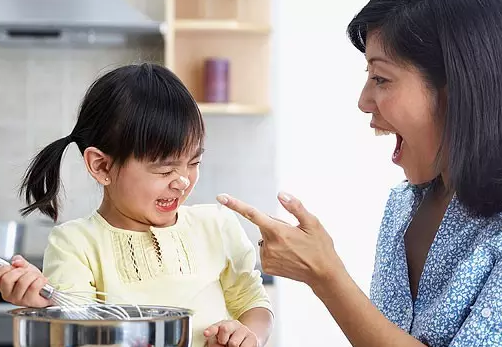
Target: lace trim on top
(137, 257)
(141, 256)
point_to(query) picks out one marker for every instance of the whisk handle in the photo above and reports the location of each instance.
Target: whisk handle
(47, 291)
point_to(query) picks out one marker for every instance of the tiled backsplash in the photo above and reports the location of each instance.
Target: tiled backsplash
(40, 91)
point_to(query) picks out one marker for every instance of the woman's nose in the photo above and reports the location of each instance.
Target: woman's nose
(366, 102)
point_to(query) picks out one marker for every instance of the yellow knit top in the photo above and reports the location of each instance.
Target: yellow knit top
(205, 262)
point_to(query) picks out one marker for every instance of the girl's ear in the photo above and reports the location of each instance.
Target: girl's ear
(98, 164)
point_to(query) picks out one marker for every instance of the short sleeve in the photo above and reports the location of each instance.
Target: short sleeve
(483, 326)
(241, 282)
(66, 265)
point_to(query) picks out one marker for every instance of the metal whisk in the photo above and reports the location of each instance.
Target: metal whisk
(77, 306)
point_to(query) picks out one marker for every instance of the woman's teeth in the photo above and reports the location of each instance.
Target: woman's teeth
(380, 132)
(165, 203)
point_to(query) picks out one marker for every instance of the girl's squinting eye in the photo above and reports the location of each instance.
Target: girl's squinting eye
(197, 163)
(167, 173)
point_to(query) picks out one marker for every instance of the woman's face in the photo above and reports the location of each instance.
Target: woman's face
(401, 104)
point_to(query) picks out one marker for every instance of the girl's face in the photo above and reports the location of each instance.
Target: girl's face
(142, 194)
(401, 103)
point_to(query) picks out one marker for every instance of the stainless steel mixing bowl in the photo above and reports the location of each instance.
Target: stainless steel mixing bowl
(160, 326)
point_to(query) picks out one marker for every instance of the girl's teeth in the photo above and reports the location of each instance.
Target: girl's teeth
(164, 203)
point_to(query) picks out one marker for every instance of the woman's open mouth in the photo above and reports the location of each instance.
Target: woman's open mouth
(396, 156)
(398, 150)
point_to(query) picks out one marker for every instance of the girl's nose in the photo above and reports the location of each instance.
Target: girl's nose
(181, 183)
(185, 181)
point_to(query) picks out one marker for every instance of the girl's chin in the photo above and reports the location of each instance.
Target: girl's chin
(165, 224)
(165, 220)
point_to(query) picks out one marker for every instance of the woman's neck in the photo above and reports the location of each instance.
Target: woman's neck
(441, 191)
(445, 179)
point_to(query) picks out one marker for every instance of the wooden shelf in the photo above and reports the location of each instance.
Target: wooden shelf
(249, 67)
(236, 30)
(198, 25)
(232, 108)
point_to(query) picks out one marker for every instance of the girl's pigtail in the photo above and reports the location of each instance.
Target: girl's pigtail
(42, 180)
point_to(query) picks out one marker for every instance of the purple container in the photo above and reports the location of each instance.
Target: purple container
(216, 80)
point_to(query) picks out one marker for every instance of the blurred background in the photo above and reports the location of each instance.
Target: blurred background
(278, 84)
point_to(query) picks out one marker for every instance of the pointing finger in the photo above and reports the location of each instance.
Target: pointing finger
(247, 211)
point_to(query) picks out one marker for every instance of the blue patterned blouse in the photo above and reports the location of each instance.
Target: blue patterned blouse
(459, 301)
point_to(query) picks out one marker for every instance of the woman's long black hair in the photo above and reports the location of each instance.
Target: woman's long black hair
(141, 111)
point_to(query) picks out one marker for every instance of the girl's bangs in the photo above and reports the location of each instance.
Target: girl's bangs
(163, 120)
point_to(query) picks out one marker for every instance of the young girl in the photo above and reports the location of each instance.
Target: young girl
(141, 136)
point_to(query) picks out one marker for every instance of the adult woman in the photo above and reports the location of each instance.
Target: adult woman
(435, 81)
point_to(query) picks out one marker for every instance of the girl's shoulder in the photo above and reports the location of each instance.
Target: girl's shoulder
(212, 220)
(207, 213)
(80, 230)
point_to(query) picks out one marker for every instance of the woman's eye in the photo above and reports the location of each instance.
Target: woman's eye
(195, 164)
(379, 80)
(167, 173)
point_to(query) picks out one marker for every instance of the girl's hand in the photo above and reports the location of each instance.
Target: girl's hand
(20, 284)
(303, 253)
(230, 333)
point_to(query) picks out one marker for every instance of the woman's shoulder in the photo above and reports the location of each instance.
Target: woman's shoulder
(489, 234)
(402, 186)
(400, 199)
(406, 189)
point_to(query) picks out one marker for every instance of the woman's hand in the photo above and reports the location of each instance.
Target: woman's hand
(20, 284)
(303, 253)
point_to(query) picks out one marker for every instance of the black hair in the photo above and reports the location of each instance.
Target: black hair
(142, 111)
(456, 45)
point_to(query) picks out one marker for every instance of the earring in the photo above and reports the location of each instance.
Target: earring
(107, 179)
